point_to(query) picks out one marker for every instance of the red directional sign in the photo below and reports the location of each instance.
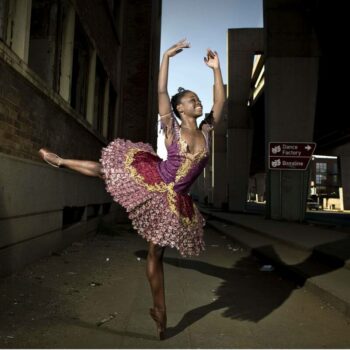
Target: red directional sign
(292, 149)
(288, 163)
(290, 155)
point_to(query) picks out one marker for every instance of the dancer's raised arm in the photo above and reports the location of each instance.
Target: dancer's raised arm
(164, 106)
(212, 61)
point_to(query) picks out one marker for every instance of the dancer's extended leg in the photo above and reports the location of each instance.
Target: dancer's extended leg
(86, 167)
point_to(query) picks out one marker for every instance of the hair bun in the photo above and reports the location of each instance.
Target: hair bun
(180, 89)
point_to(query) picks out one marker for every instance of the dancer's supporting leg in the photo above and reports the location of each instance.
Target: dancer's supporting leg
(155, 275)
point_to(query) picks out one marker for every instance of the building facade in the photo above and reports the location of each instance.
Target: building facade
(73, 76)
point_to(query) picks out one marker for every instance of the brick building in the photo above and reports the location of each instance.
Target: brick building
(73, 76)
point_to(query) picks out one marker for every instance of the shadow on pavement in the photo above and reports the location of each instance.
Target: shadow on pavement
(246, 293)
(92, 326)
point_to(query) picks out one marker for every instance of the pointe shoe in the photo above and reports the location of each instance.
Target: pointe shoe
(45, 153)
(160, 318)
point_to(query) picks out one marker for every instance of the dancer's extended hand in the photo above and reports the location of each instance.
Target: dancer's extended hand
(212, 59)
(177, 48)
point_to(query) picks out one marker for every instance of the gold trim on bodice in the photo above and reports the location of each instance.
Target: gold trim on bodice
(190, 159)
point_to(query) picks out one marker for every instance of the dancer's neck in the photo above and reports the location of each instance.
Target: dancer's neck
(191, 127)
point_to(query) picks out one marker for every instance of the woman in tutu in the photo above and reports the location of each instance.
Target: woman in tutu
(153, 191)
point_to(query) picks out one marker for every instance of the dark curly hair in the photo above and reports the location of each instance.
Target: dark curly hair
(175, 100)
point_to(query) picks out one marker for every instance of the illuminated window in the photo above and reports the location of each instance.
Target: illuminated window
(320, 178)
(321, 167)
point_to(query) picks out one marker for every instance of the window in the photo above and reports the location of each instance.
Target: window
(111, 113)
(335, 168)
(72, 215)
(3, 18)
(43, 42)
(320, 179)
(81, 57)
(92, 211)
(100, 85)
(15, 16)
(106, 208)
(321, 167)
(335, 180)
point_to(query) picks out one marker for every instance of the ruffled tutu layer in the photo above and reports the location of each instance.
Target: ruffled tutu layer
(158, 213)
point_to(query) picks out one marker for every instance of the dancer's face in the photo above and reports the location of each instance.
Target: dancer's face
(191, 105)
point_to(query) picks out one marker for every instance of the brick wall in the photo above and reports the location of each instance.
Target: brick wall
(30, 120)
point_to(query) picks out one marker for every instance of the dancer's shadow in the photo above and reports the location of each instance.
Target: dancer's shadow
(246, 293)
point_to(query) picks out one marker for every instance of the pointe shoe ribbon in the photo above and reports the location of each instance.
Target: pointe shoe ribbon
(45, 153)
(160, 319)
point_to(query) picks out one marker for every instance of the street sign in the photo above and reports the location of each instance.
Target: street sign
(288, 163)
(292, 149)
(290, 155)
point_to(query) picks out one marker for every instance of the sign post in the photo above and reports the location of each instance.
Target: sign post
(290, 156)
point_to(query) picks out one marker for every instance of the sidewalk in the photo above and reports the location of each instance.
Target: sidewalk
(314, 256)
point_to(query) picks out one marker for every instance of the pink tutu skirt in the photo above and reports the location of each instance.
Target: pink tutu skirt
(158, 213)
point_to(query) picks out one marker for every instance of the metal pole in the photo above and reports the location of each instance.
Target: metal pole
(280, 193)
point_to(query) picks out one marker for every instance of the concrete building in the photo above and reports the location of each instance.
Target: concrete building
(211, 186)
(281, 89)
(219, 162)
(243, 45)
(301, 69)
(73, 76)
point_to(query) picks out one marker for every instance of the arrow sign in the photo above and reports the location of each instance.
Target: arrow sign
(292, 149)
(290, 155)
